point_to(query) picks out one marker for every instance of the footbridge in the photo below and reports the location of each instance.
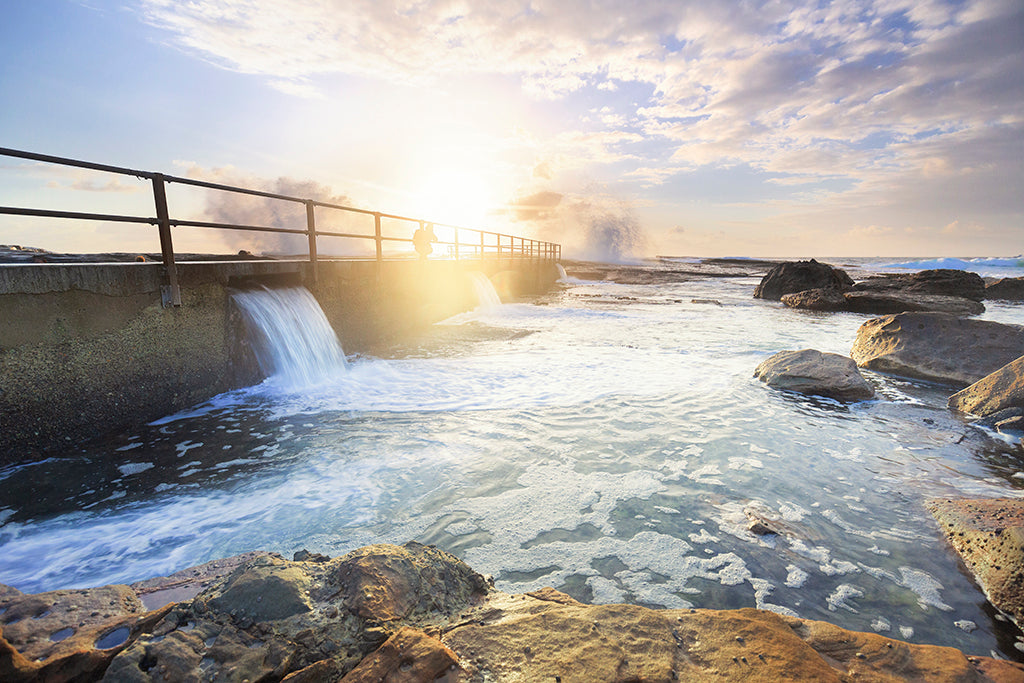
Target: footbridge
(91, 344)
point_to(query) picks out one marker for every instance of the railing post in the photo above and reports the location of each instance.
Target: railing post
(171, 292)
(482, 245)
(311, 234)
(456, 231)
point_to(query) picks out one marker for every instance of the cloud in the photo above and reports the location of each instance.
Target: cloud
(909, 105)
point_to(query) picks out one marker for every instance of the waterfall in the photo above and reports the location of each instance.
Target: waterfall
(562, 275)
(486, 296)
(293, 342)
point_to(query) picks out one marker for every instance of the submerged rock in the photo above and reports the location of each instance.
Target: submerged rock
(989, 536)
(936, 346)
(881, 303)
(813, 372)
(993, 393)
(797, 276)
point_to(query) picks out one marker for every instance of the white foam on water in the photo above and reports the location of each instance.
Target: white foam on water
(130, 468)
(841, 597)
(795, 577)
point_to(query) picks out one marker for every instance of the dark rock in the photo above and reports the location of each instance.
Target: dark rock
(1011, 425)
(881, 303)
(306, 556)
(813, 372)
(989, 536)
(993, 393)
(936, 346)
(1007, 289)
(816, 300)
(188, 583)
(941, 281)
(797, 276)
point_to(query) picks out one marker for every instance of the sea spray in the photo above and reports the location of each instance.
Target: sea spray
(294, 344)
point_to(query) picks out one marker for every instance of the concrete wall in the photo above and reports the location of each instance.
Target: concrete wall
(88, 349)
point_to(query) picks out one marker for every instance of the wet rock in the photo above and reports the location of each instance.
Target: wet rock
(68, 635)
(936, 346)
(306, 556)
(1007, 289)
(989, 536)
(797, 276)
(813, 372)
(998, 391)
(188, 583)
(941, 281)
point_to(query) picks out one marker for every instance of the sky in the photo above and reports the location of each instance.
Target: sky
(653, 127)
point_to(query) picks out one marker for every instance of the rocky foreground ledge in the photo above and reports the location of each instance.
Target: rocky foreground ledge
(415, 613)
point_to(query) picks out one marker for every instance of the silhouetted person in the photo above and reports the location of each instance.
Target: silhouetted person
(421, 240)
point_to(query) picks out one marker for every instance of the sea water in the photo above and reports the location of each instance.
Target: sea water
(604, 439)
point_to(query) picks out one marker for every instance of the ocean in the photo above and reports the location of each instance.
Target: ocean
(604, 439)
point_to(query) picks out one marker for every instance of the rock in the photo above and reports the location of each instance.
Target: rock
(68, 635)
(513, 638)
(936, 346)
(998, 391)
(310, 620)
(813, 372)
(989, 536)
(816, 300)
(1007, 289)
(409, 655)
(188, 583)
(881, 303)
(797, 276)
(414, 613)
(941, 281)
(1010, 425)
(878, 303)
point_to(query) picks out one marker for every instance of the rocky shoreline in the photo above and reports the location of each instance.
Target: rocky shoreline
(416, 613)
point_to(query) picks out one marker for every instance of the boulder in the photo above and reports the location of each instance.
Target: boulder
(998, 391)
(941, 281)
(1007, 289)
(989, 536)
(936, 346)
(797, 276)
(813, 372)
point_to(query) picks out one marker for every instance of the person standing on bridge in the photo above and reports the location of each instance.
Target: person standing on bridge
(422, 238)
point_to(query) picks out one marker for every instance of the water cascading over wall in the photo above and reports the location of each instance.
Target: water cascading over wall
(293, 342)
(486, 296)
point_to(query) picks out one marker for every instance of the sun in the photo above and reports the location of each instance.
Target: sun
(457, 196)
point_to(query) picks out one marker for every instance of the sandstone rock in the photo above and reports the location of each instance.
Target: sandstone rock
(188, 583)
(797, 276)
(1007, 288)
(409, 656)
(989, 536)
(942, 281)
(936, 346)
(518, 638)
(310, 620)
(813, 372)
(68, 635)
(998, 391)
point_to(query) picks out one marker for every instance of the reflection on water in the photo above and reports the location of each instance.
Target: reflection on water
(608, 441)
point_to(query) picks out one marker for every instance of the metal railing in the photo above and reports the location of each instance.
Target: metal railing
(503, 246)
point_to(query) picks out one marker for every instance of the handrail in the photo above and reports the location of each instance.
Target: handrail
(527, 249)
